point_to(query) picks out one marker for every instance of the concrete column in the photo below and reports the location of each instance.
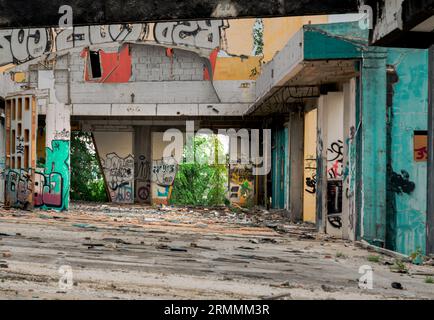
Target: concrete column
(321, 168)
(142, 163)
(373, 159)
(296, 155)
(53, 184)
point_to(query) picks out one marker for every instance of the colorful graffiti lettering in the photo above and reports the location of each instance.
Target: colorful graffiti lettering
(19, 188)
(47, 188)
(52, 185)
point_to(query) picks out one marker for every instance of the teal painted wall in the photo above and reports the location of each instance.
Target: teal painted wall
(334, 41)
(372, 156)
(409, 113)
(280, 160)
(384, 137)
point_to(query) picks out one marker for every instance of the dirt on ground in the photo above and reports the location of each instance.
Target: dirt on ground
(106, 251)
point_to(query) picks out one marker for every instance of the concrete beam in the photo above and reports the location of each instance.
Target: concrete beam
(153, 109)
(24, 13)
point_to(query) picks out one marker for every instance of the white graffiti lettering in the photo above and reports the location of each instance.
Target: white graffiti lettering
(21, 45)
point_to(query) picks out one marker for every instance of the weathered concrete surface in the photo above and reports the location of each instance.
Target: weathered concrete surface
(21, 13)
(146, 253)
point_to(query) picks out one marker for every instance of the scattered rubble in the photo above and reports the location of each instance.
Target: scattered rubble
(136, 251)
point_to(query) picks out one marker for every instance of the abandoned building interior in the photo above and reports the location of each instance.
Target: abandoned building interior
(348, 121)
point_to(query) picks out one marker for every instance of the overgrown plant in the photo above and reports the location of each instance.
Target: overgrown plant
(258, 38)
(204, 182)
(87, 183)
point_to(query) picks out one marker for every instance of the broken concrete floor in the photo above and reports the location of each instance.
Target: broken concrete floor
(134, 252)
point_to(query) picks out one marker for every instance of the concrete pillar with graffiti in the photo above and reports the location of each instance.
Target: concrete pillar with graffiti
(52, 183)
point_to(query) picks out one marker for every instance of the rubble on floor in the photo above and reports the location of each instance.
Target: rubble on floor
(137, 252)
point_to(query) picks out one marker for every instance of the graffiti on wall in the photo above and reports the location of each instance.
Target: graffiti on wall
(335, 157)
(45, 189)
(310, 174)
(400, 183)
(52, 185)
(142, 175)
(420, 146)
(199, 34)
(163, 175)
(334, 203)
(164, 171)
(19, 188)
(241, 182)
(21, 45)
(119, 175)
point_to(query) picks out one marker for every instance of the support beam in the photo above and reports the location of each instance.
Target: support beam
(41, 13)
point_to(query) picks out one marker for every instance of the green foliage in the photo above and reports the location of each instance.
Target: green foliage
(202, 182)
(399, 267)
(429, 280)
(258, 38)
(86, 178)
(374, 259)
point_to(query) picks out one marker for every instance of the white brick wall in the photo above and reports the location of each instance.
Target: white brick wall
(150, 63)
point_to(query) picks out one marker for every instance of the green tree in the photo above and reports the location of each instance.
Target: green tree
(86, 178)
(201, 183)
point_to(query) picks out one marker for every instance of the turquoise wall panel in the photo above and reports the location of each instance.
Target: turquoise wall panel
(409, 113)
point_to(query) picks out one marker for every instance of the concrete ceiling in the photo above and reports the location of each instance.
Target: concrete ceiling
(42, 13)
(305, 86)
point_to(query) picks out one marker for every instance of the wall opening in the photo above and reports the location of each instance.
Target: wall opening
(87, 182)
(95, 64)
(205, 182)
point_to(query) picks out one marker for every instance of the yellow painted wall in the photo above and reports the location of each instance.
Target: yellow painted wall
(278, 31)
(310, 129)
(235, 68)
(238, 38)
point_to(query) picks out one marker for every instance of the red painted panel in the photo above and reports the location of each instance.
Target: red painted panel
(213, 60)
(115, 67)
